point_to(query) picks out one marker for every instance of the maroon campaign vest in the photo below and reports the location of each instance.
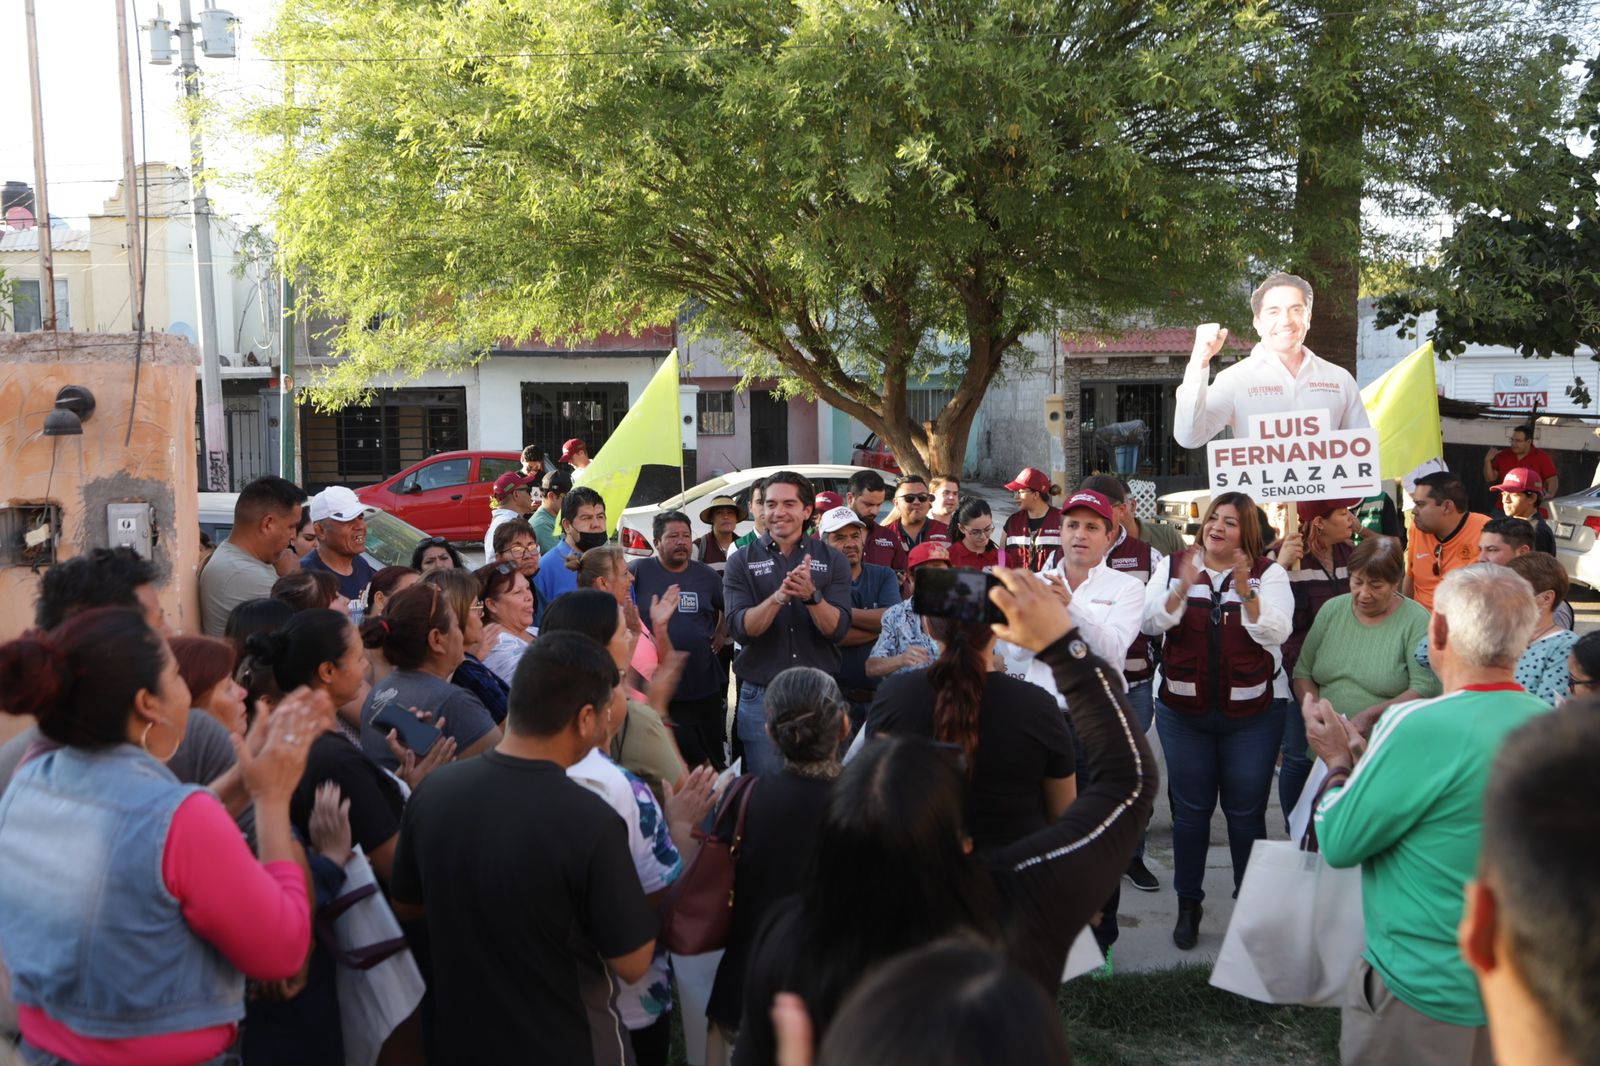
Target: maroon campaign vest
(1036, 551)
(1312, 587)
(1132, 557)
(1208, 665)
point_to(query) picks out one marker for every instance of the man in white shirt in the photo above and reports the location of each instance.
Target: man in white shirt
(1280, 374)
(1107, 606)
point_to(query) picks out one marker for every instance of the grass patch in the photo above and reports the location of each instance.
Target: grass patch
(1174, 1018)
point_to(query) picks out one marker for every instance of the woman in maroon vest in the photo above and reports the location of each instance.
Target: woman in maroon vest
(1318, 563)
(1033, 533)
(1225, 609)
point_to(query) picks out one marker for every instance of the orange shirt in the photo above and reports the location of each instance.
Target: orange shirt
(1460, 550)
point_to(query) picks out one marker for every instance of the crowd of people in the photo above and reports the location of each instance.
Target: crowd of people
(426, 813)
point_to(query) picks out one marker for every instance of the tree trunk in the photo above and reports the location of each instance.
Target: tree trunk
(1327, 207)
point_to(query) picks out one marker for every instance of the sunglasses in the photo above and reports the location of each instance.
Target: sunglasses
(434, 542)
(916, 497)
(1438, 556)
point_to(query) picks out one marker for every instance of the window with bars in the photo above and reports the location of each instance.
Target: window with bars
(715, 410)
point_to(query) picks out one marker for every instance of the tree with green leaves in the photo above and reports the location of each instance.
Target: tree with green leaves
(856, 196)
(1521, 273)
(1374, 119)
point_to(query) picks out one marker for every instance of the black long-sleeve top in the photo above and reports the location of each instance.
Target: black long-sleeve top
(1049, 883)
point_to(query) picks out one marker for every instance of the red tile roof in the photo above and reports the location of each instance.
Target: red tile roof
(1140, 342)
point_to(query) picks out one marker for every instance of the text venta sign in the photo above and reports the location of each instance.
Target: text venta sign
(1295, 456)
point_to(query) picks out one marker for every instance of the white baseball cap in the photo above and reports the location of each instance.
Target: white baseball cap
(838, 518)
(338, 503)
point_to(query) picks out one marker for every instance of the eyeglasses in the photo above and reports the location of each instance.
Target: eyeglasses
(916, 497)
(976, 531)
(477, 607)
(1575, 682)
(520, 552)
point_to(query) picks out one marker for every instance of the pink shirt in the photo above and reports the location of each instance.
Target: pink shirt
(258, 915)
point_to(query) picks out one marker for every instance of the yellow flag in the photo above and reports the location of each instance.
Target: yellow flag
(648, 433)
(1404, 407)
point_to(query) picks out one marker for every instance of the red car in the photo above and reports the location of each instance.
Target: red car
(874, 452)
(447, 495)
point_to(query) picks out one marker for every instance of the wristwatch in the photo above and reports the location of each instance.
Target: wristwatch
(813, 599)
(1247, 596)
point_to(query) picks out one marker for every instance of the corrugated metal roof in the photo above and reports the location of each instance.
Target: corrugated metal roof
(1139, 342)
(61, 240)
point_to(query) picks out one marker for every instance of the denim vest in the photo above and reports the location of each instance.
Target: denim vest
(91, 934)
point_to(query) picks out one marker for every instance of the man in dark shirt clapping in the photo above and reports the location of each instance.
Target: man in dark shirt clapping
(788, 604)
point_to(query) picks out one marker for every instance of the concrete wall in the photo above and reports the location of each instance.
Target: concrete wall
(1009, 432)
(83, 474)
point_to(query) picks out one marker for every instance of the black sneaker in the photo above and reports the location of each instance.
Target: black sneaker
(1141, 877)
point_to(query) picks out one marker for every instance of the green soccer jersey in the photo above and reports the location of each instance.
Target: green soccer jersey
(1412, 816)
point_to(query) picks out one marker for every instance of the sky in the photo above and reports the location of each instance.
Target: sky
(82, 123)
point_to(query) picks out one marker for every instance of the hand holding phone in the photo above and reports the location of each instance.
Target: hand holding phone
(414, 733)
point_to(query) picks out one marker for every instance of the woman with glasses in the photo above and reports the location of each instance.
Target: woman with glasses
(1542, 669)
(507, 598)
(516, 543)
(1358, 654)
(461, 589)
(435, 553)
(1583, 665)
(972, 536)
(1225, 609)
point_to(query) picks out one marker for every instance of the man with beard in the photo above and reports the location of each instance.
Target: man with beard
(788, 604)
(698, 710)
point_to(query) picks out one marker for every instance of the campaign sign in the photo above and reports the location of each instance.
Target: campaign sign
(1295, 456)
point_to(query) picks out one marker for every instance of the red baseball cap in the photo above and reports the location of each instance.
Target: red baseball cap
(571, 446)
(1093, 501)
(510, 481)
(1521, 480)
(827, 501)
(1307, 510)
(1031, 478)
(929, 551)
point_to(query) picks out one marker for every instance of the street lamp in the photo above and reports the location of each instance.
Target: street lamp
(217, 28)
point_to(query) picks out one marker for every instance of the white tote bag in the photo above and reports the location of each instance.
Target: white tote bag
(1083, 957)
(374, 997)
(1296, 932)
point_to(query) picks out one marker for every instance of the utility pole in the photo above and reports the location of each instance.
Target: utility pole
(130, 188)
(41, 202)
(288, 431)
(215, 475)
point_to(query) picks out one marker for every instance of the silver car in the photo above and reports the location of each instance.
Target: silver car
(1575, 520)
(390, 541)
(634, 530)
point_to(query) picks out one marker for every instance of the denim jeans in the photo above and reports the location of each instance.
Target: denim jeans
(750, 721)
(1141, 697)
(1211, 755)
(1296, 765)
